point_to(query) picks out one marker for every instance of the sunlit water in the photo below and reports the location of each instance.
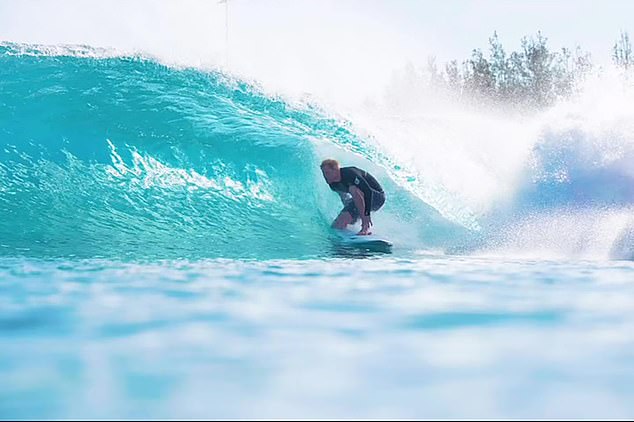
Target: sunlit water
(423, 336)
(165, 251)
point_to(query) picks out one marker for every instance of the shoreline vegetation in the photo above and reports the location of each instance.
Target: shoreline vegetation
(534, 77)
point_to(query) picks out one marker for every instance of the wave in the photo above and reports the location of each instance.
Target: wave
(105, 155)
(110, 156)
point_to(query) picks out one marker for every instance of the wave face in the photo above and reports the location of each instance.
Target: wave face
(122, 157)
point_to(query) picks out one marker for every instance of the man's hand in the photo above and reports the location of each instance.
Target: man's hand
(366, 222)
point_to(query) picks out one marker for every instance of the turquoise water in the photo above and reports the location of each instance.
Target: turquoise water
(165, 251)
(388, 337)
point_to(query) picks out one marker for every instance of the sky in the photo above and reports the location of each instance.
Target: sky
(342, 48)
(452, 28)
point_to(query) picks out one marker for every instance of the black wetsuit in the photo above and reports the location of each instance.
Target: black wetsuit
(373, 194)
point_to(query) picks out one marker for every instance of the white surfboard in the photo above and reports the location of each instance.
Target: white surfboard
(352, 239)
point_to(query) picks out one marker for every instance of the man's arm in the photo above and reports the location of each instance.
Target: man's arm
(344, 198)
(362, 185)
(360, 201)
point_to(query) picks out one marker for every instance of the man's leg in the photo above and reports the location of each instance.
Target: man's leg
(343, 220)
(378, 199)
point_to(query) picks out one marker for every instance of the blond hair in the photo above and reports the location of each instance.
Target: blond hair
(330, 163)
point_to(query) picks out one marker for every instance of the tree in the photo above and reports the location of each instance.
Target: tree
(499, 68)
(453, 77)
(479, 78)
(622, 52)
(538, 62)
(533, 76)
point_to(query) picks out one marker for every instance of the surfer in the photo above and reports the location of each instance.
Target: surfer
(359, 191)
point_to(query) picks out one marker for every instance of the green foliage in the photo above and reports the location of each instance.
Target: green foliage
(622, 52)
(533, 76)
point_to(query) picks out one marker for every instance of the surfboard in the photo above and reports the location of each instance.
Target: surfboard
(372, 242)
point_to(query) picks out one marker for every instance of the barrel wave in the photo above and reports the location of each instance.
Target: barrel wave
(124, 157)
